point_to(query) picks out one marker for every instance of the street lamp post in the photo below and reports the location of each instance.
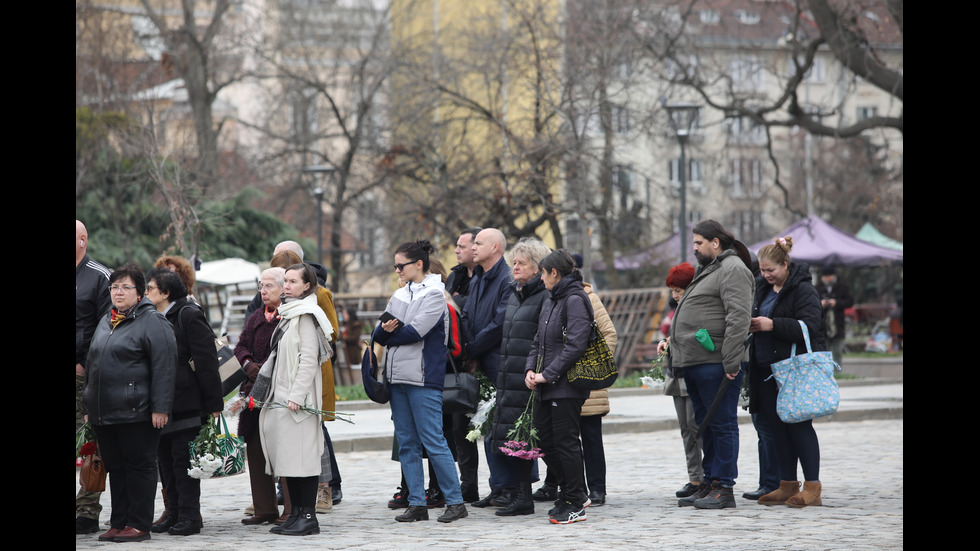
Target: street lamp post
(318, 194)
(682, 119)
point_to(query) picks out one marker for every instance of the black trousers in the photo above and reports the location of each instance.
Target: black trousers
(557, 423)
(183, 491)
(129, 451)
(467, 454)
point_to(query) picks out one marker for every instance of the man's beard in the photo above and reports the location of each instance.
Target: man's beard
(702, 259)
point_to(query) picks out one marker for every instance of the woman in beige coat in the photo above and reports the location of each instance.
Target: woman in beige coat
(292, 437)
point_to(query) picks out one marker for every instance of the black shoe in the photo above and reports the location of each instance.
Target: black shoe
(566, 513)
(702, 490)
(185, 527)
(279, 498)
(506, 497)
(414, 513)
(399, 500)
(597, 499)
(164, 525)
(85, 525)
(754, 496)
(687, 490)
(293, 517)
(454, 512)
(434, 498)
(336, 494)
(719, 497)
(470, 494)
(489, 500)
(522, 504)
(305, 525)
(545, 493)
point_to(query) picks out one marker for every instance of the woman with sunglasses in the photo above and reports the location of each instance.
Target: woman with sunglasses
(415, 370)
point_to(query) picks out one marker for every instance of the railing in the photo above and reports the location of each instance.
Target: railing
(636, 314)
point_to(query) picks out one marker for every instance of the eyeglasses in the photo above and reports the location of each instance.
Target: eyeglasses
(150, 287)
(400, 267)
(266, 286)
(118, 288)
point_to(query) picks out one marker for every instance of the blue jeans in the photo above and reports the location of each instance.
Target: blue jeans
(417, 415)
(720, 439)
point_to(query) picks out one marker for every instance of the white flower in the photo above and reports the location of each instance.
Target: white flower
(474, 435)
(650, 382)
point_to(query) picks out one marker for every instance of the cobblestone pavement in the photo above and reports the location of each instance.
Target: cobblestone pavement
(862, 473)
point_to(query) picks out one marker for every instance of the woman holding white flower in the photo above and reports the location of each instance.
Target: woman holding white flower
(197, 394)
(292, 437)
(518, 330)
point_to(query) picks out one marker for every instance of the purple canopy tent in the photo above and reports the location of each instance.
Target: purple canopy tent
(666, 251)
(820, 244)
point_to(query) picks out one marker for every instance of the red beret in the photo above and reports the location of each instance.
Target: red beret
(680, 275)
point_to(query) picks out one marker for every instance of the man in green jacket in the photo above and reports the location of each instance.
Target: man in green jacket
(707, 341)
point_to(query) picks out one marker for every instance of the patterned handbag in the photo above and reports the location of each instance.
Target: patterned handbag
(215, 454)
(807, 388)
(596, 369)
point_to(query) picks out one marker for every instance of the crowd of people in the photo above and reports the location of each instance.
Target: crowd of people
(519, 325)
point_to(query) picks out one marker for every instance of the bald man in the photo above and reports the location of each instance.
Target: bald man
(91, 303)
(483, 319)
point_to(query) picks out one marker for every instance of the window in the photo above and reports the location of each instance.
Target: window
(817, 72)
(302, 114)
(746, 177)
(746, 130)
(694, 175)
(622, 119)
(622, 179)
(866, 113)
(745, 72)
(747, 18)
(710, 17)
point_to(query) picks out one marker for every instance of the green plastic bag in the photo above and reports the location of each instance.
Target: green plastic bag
(705, 339)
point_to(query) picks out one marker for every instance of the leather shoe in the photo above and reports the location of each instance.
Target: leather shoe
(185, 527)
(336, 494)
(109, 535)
(259, 519)
(491, 499)
(164, 525)
(414, 513)
(85, 525)
(687, 490)
(756, 494)
(597, 499)
(545, 493)
(130, 534)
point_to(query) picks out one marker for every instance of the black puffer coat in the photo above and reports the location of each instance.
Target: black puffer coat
(567, 304)
(797, 300)
(520, 325)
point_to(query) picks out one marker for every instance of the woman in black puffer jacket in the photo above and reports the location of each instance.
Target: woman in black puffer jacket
(564, 328)
(784, 296)
(520, 325)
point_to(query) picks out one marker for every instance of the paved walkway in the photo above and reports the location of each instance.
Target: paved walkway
(862, 471)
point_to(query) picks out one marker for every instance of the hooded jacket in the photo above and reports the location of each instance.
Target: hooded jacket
(564, 329)
(417, 352)
(130, 370)
(719, 299)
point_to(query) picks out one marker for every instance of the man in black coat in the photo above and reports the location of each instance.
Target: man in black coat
(835, 297)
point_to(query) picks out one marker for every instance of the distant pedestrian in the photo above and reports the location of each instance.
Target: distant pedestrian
(835, 297)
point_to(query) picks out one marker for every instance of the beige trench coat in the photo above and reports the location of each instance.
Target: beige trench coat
(293, 441)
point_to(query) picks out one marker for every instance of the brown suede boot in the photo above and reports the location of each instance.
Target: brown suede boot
(786, 490)
(809, 496)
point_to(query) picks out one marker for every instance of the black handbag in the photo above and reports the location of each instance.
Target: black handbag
(461, 391)
(595, 369)
(377, 391)
(229, 368)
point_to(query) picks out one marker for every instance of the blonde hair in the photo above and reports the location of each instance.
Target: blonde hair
(778, 251)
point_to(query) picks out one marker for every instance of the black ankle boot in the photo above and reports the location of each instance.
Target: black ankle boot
(487, 501)
(305, 524)
(293, 517)
(521, 504)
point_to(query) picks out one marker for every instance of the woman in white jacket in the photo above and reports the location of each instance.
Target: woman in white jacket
(415, 370)
(292, 438)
